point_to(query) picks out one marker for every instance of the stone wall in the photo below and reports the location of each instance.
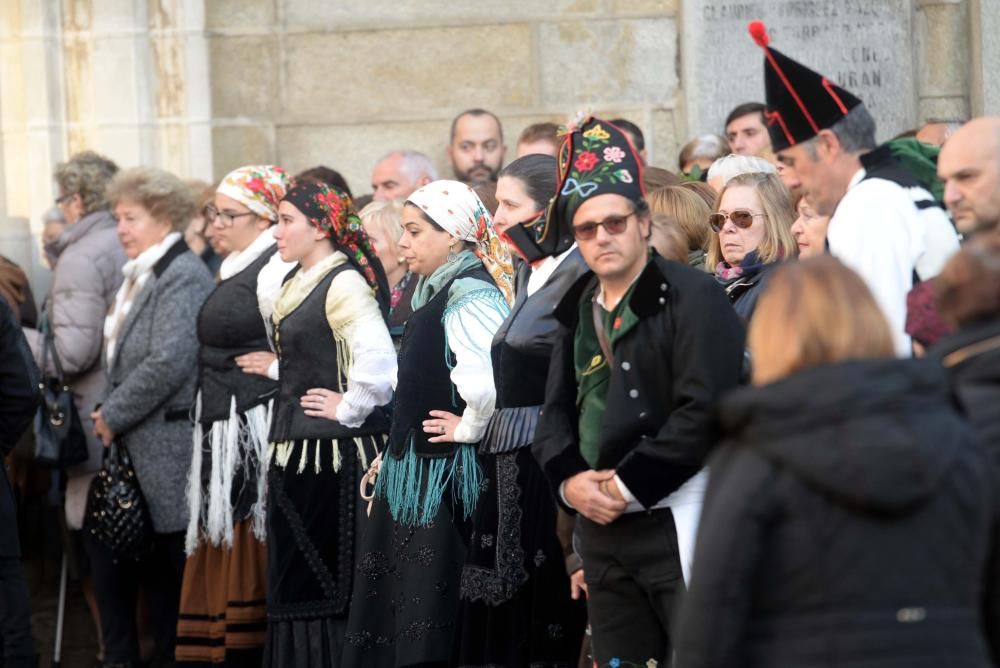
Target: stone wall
(302, 82)
(202, 86)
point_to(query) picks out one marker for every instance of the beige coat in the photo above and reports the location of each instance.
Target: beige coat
(86, 277)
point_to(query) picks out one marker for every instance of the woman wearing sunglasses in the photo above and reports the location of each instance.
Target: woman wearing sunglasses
(752, 231)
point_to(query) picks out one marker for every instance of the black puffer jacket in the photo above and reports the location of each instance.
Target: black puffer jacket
(972, 359)
(847, 523)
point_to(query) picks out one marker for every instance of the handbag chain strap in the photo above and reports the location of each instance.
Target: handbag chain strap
(49, 350)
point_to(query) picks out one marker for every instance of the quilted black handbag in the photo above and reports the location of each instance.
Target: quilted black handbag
(59, 438)
(117, 516)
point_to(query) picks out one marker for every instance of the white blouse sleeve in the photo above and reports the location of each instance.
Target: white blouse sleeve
(470, 326)
(354, 316)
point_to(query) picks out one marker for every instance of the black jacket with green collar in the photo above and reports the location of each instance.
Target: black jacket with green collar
(678, 348)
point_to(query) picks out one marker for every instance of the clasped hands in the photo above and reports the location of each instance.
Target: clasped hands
(595, 495)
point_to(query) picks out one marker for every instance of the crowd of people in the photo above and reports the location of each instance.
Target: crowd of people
(565, 410)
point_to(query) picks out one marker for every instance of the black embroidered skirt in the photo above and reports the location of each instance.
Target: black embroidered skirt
(405, 600)
(515, 606)
(312, 517)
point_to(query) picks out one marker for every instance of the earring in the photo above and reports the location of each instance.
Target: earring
(452, 255)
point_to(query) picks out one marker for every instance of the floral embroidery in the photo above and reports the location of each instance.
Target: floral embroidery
(598, 133)
(624, 176)
(257, 187)
(332, 212)
(585, 161)
(614, 154)
(618, 323)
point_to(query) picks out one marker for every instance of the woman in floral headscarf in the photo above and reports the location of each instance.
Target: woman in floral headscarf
(222, 596)
(336, 361)
(406, 595)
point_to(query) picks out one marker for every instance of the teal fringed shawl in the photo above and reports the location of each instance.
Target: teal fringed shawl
(414, 486)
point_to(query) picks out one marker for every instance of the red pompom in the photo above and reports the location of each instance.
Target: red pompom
(759, 33)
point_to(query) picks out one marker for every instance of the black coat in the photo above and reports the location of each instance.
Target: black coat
(669, 371)
(19, 400)
(745, 292)
(846, 523)
(971, 358)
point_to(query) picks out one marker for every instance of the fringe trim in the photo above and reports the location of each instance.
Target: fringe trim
(237, 443)
(193, 490)
(280, 454)
(414, 486)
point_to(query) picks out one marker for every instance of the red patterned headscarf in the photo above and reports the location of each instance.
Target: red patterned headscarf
(332, 212)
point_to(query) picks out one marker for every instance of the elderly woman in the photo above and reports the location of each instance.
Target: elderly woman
(406, 595)
(384, 223)
(752, 232)
(150, 348)
(688, 214)
(849, 514)
(222, 598)
(86, 259)
(336, 362)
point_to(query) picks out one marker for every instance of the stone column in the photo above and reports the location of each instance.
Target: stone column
(942, 44)
(984, 26)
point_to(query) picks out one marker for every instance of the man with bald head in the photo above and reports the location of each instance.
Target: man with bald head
(399, 173)
(969, 166)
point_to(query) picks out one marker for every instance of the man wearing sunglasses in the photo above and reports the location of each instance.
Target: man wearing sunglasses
(646, 347)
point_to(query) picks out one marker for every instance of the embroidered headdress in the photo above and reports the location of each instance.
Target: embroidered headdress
(455, 207)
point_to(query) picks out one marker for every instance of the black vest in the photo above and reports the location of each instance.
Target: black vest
(424, 375)
(522, 346)
(521, 352)
(229, 325)
(307, 358)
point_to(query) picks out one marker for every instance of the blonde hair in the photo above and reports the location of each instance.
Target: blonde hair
(688, 212)
(815, 312)
(86, 174)
(386, 216)
(778, 242)
(162, 194)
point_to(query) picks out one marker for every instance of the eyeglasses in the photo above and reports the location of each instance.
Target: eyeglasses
(60, 200)
(742, 218)
(210, 214)
(611, 225)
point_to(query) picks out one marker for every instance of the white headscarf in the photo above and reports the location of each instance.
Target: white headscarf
(457, 209)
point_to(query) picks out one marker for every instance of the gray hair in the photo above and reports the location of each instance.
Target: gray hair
(855, 131)
(86, 174)
(413, 164)
(734, 165)
(703, 147)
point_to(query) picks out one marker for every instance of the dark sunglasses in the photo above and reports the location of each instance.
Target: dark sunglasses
(742, 218)
(611, 225)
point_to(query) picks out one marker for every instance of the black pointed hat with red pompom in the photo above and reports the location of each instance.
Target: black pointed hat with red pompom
(800, 102)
